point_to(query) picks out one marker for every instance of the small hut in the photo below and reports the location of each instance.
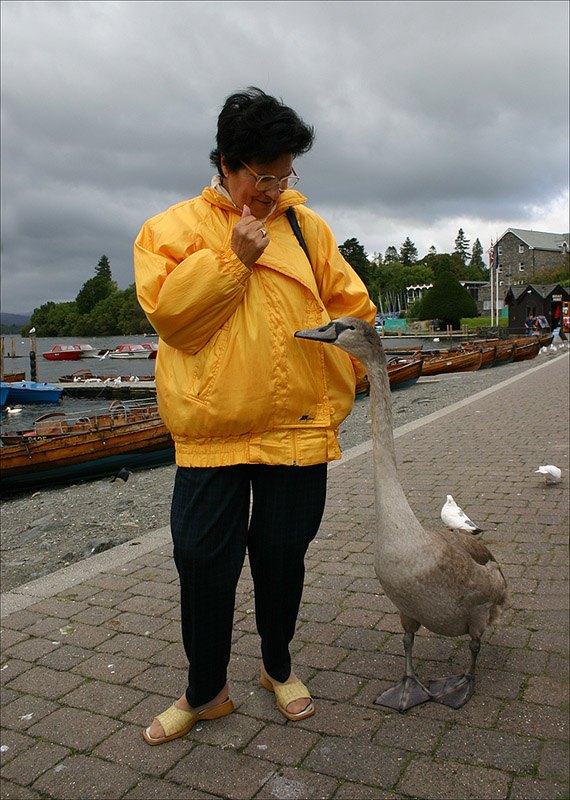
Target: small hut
(546, 302)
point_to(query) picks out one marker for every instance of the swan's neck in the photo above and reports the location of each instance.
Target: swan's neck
(393, 512)
(381, 416)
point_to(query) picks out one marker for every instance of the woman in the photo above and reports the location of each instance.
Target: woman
(226, 283)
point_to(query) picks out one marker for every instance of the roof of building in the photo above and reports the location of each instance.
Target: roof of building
(540, 240)
(543, 291)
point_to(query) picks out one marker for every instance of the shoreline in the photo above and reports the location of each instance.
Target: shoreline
(48, 529)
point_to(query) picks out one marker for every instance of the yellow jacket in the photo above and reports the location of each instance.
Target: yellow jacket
(234, 385)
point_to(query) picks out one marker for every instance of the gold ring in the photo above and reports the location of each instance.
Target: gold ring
(263, 231)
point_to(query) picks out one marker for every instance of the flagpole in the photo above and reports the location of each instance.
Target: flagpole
(496, 260)
(491, 264)
(497, 295)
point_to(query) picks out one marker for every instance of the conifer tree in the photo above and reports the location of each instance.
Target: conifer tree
(103, 268)
(408, 252)
(477, 255)
(391, 254)
(462, 245)
(353, 252)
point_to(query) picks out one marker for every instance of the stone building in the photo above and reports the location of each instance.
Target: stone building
(520, 254)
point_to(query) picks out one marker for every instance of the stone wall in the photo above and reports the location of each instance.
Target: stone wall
(519, 263)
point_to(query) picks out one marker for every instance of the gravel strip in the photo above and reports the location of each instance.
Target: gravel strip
(45, 530)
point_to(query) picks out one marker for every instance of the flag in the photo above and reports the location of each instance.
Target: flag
(491, 255)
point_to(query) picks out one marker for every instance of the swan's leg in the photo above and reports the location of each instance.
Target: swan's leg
(409, 692)
(457, 690)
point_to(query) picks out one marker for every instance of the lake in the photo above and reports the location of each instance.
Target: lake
(50, 371)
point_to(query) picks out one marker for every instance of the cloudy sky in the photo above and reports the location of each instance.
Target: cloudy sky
(430, 116)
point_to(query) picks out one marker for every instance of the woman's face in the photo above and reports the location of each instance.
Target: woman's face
(241, 184)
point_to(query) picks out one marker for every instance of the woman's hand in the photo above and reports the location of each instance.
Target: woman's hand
(249, 238)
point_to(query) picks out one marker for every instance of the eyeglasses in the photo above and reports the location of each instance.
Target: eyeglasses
(263, 183)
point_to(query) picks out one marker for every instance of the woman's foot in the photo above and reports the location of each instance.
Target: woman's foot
(156, 730)
(295, 707)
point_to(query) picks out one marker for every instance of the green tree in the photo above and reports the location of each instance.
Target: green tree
(103, 318)
(92, 291)
(408, 252)
(418, 275)
(441, 262)
(131, 318)
(63, 320)
(54, 319)
(447, 301)
(391, 254)
(96, 289)
(353, 252)
(477, 255)
(414, 309)
(103, 268)
(476, 269)
(462, 245)
(40, 318)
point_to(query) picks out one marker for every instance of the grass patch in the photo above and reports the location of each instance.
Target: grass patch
(483, 322)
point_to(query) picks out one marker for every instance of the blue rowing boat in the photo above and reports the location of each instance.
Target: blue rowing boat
(4, 389)
(33, 392)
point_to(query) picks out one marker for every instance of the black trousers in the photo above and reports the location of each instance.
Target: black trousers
(211, 528)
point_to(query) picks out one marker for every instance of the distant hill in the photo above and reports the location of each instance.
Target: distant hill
(11, 323)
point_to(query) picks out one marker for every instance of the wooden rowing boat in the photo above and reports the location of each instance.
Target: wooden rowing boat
(505, 353)
(440, 363)
(488, 351)
(489, 355)
(13, 377)
(61, 449)
(525, 349)
(401, 373)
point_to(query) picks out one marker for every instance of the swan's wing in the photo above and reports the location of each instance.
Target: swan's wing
(475, 548)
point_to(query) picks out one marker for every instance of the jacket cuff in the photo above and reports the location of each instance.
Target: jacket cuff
(235, 265)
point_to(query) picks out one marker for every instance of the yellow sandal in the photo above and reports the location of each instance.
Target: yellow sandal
(176, 722)
(286, 693)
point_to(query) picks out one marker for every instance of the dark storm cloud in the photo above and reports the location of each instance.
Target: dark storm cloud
(428, 115)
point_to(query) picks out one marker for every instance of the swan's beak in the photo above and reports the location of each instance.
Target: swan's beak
(326, 333)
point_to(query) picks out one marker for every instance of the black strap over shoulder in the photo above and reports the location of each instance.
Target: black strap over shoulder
(292, 217)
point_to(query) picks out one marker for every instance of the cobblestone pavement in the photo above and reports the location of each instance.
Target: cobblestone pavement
(92, 652)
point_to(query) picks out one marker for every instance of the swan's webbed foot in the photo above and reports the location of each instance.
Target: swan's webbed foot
(409, 692)
(454, 691)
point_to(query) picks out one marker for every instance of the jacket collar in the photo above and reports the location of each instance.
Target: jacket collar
(216, 195)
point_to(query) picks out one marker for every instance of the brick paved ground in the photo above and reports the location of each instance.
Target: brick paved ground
(87, 666)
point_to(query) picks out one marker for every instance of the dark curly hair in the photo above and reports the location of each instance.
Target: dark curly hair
(253, 126)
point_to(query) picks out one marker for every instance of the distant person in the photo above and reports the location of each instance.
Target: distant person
(225, 282)
(528, 323)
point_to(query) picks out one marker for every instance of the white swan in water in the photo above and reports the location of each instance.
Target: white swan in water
(448, 582)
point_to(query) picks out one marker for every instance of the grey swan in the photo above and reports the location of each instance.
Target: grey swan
(447, 581)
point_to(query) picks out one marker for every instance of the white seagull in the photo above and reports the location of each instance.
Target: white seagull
(551, 473)
(456, 519)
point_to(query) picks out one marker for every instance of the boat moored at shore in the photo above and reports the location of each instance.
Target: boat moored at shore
(59, 448)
